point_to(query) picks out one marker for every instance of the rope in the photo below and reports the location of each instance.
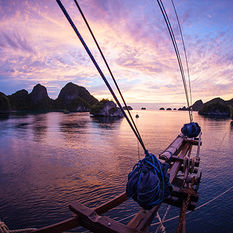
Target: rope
(170, 30)
(197, 208)
(161, 226)
(186, 58)
(148, 182)
(3, 228)
(181, 225)
(100, 72)
(163, 219)
(106, 63)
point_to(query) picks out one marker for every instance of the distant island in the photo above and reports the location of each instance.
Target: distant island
(216, 107)
(72, 98)
(129, 108)
(75, 98)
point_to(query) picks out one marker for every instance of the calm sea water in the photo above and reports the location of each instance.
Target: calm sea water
(50, 160)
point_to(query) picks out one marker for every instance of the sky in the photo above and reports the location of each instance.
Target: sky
(37, 45)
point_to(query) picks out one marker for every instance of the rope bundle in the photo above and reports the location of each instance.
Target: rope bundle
(148, 182)
(191, 130)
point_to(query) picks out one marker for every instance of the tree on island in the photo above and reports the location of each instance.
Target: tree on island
(106, 108)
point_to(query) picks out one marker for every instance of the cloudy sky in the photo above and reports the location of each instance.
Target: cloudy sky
(37, 45)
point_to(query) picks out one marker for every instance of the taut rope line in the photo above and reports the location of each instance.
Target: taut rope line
(106, 63)
(100, 72)
(186, 57)
(170, 30)
(204, 204)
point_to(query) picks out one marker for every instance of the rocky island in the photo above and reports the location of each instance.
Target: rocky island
(106, 108)
(216, 107)
(129, 108)
(72, 98)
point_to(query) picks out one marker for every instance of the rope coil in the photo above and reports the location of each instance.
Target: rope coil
(148, 182)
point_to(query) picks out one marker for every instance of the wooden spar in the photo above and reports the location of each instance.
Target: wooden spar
(143, 219)
(111, 204)
(175, 167)
(91, 218)
(96, 223)
(173, 148)
(61, 226)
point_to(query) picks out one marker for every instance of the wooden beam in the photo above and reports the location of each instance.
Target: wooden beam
(96, 223)
(143, 219)
(193, 141)
(111, 204)
(173, 147)
(60, 227)
(176, 165)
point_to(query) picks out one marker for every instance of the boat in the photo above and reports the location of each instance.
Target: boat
(183, 172)
(184, 176)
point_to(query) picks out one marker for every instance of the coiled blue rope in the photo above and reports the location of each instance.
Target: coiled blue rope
(148, 182)
(191, 129)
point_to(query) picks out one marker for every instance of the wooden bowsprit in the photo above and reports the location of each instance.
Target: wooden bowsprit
(183, 173)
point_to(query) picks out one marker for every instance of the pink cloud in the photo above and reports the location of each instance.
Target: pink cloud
(38, 45)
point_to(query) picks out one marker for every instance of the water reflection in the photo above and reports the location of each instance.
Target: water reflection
(215, 118)
(106, 122)
(231, 124)
(50, 160)
(4, 116)
(22, 125)
(39, 126)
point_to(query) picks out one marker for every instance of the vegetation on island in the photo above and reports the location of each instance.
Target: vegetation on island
(105, 108)
(4, 103)
(72, 98)
(216, 107)
(129, 108)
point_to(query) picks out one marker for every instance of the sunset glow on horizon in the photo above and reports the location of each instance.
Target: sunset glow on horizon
(38, 45)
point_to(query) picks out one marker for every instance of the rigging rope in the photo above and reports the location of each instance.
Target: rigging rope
(161, 226)
(170, 30)
(106, 63)
(100, 72)
(163, 219)
(186, 58)
(204, 204)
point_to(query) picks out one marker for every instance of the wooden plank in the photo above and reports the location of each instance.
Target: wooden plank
(96, 223)
(173, 147)
(143, 219)
(111, 204)
(183, 194)
(60, 227)
(193, 141)
(175, 167)
(143, 225)
(176, 201)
